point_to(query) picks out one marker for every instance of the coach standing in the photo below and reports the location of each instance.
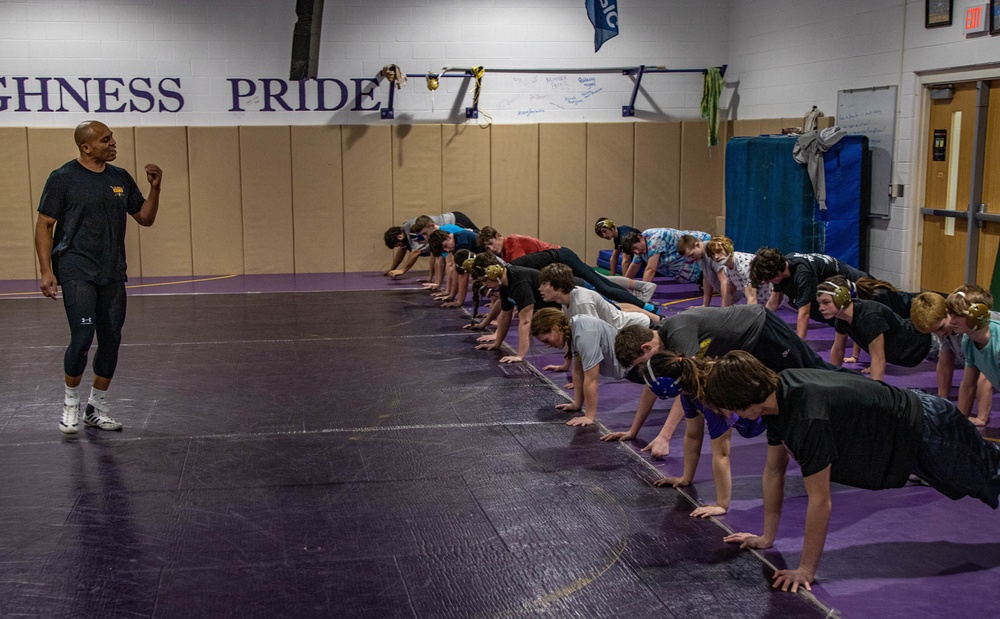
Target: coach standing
(80, 242)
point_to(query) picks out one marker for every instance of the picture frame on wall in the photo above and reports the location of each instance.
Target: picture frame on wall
(937, 13)
(994, 16)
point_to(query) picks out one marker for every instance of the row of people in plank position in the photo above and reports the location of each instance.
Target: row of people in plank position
(891, 325)
(742, 367)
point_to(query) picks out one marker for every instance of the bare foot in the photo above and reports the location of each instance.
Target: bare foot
(976, 421)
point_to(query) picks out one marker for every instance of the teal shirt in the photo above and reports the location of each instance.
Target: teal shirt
(986, 360)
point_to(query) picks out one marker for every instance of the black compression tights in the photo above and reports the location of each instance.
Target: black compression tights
(93, 309)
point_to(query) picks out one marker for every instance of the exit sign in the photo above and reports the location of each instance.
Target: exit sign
(977, 19)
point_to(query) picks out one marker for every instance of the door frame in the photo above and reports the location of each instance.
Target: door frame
(925, 80)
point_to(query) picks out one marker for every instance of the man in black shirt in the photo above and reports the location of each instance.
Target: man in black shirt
(844, 428)
(873, 326)
(518, 286)
(797, 276)
(710, 331)
(80, 242)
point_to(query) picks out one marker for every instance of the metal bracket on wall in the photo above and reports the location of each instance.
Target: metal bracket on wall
(388, 112)
(629, 110)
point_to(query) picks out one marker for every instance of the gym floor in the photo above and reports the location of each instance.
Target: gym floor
(332, 446)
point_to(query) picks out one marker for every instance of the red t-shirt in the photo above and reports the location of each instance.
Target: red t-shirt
(516, 245)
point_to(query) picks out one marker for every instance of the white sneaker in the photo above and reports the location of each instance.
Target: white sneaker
(96, 418)
(70, 418)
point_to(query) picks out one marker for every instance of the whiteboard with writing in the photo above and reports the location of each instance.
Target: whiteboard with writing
(872, 112)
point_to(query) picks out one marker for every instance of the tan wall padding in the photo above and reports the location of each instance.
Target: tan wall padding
(166, 246)
(216, 200)
(514, 179)
(703, 195)
(746, 128)
(770, 126)
(657, 176)
(821, 123)
(416, 171)
(17, 217)
(266, 177)
(562, 186)
(791, 123)
(48, 149)
(610, 170)
(367, 196)
(466, 171)
(318, 199)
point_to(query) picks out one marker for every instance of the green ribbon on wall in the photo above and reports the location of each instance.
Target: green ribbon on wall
(710, 96)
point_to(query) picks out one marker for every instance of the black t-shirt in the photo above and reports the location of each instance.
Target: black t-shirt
(522, 289)
(90, 210)
(904, 345)
(898, 301)
(807, 271)
(718, 330)
(537, 260)
(867, 431)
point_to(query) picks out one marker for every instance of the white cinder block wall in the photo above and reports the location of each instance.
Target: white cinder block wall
(204, 44)
(789, 55)
(194, 62)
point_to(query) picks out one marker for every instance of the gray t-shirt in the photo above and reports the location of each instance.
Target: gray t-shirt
(414, 239)
(717, 330)
(586, 302)
(594, 343)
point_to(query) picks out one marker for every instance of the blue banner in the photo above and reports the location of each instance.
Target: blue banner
(604, 15)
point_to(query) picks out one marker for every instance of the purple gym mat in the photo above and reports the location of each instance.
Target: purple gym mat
(267, 460)
(908, 552)
(331, 454)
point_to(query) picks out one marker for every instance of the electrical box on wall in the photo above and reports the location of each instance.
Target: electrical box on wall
(977, 19)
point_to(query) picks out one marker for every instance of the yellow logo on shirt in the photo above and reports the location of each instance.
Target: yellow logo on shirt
(119, 191)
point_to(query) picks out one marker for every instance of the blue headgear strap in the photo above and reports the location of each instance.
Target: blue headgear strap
(662, 387)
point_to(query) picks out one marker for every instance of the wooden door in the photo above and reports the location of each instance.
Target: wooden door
(943, 259)
(948, 181)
